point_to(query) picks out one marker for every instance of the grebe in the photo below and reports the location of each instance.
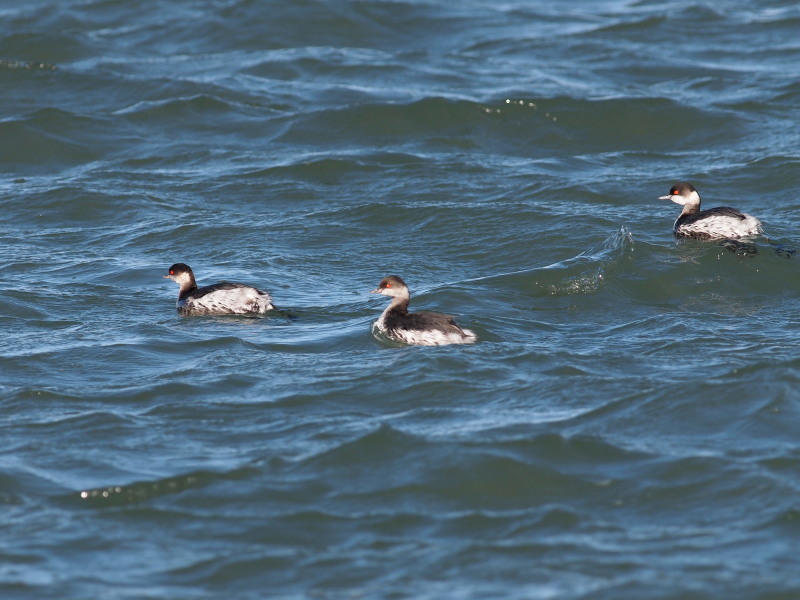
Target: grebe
(421, 328)
(714, 223)
(219, 299)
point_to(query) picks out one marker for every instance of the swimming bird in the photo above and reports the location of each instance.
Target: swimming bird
(721, 222)
(420, 328)
(222, 298)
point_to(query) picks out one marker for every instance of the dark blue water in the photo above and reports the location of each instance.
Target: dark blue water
(626, 425)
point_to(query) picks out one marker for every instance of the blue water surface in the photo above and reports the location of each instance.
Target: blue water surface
(626, 425)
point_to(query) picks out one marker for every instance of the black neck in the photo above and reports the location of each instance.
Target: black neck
(399, 306)
(187, 290)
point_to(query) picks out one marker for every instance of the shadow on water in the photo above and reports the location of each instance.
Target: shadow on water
(744, 249)
(782, 249)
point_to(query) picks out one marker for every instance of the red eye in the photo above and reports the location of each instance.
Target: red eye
(171, 272)
(388, 285)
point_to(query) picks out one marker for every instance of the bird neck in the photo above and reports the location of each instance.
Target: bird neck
(187, 287)
(399, 304)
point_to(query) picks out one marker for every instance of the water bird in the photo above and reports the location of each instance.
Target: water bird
(420, 328)
(722, 222)
(222, 298)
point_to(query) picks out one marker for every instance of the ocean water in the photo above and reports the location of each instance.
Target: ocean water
(626, 426)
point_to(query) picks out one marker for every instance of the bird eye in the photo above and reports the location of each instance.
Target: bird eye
(388, 285)
(171, 272)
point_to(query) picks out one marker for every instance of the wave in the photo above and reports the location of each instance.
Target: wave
(599, 259)
(535, 126)
(581, 274)
(143, 491)
(48, 136)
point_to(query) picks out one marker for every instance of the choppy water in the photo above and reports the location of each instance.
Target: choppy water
(626, 427)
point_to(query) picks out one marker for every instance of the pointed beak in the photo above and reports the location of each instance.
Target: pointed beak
(667, 197)
(376, 291)
(167, 276)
